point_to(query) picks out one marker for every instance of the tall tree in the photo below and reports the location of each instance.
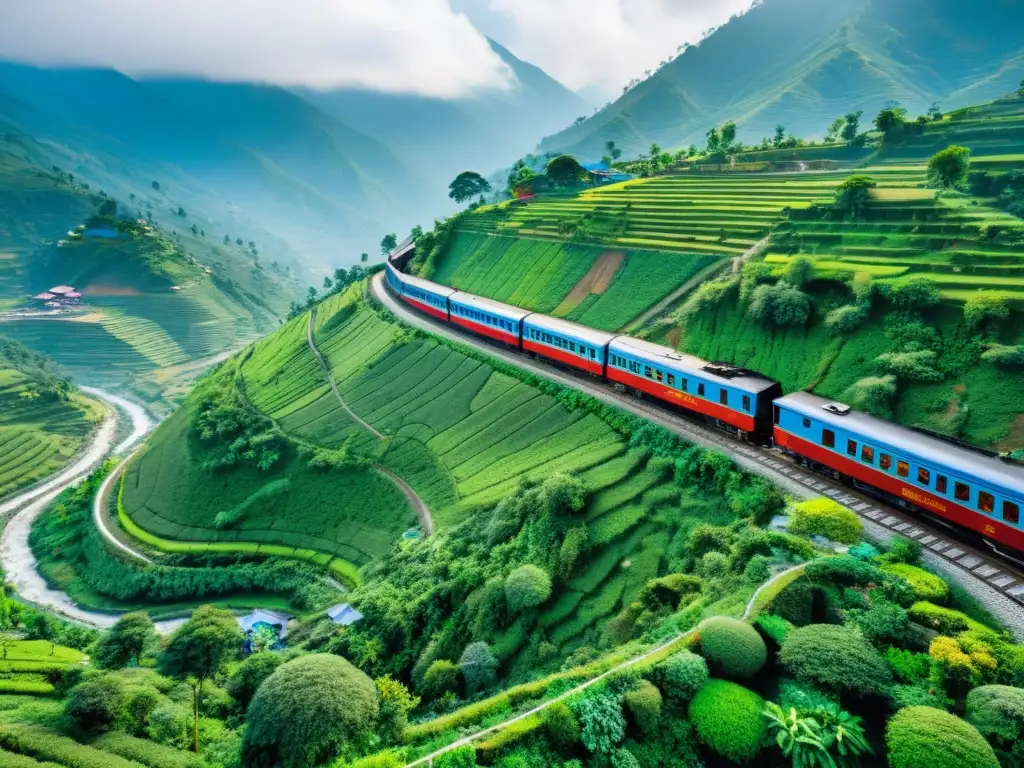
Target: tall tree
(890, 121)
(950, 167)
(388, 243)
(612, 150)
(834, 130)
(126, 641)
(728, 135)
(364, 257)
(714, 141)
(853, 194)
(467, 185)
(780, 135)
(198, 650)
(852, 125)
(565, 170)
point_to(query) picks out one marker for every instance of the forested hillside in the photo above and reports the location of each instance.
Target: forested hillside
(800, 63)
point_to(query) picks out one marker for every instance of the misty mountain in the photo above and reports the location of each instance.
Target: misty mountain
(802, 63)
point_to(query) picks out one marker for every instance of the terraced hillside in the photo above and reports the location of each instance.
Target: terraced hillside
(43, 421)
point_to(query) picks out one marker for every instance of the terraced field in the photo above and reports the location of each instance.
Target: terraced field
(26, 664)
(38, 435)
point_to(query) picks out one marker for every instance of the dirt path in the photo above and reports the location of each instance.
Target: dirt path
(418, 505)
(596, 281)
(100, 505)
(428, 759)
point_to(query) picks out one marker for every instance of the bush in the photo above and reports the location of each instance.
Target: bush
(681, 675)
(644, 704)
(903, 696)
(923, 737)
(250, 674)
(773, 627)
(307, 710)
(843, 571)
(884, 624)
(479, 667)
(729, 719)
(441, 677)
(837, 658)
(984, 307)
(732, 647)
(603, 725)
(526, 587)
(48, 746)
(904, 551)
(98, 704)
(795, 603)
(947, 621)
(781, 304)
(908, 666)
(712, 565)
(926, 586)
(561, 726)
(997, 711)
(824, 517)
(146, 752)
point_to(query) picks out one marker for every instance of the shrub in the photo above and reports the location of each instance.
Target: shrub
(926, 586)
(307, 710)
(923, 737)
(846, 319)
(983, 307)
(884, 624)
(997, 711)
(561, 726)
(603, 725)
(946, 620)
(98, 704)
(732, 647)
(824, 517)
(526, 587)
(728, 719)
(681, 675)
(479, 667)
(909, 667)
(803, 696)
(146, 752)
(250, 674)
(463, 757)
(843, 571)
(773, 627)
(758, 569)
(904, 551)
(873, 394)
(441, 677)
(712, 565)
(795, 603)
(918, 696)
(781, 304)
(644, 704)
(837, 658)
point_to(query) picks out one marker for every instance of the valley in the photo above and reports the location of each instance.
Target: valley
(663, 446)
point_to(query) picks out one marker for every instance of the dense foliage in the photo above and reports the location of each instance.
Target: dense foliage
(733, 648)
(828, 518)
(923, 737)
(835, 657)
(728, 719)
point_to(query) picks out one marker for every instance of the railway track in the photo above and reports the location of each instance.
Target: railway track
(948, 546)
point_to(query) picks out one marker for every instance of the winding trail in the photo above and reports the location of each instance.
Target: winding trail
(15, 553)
(465, 740)
(418, 505)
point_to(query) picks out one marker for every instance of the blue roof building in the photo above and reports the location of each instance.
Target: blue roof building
(344, 614)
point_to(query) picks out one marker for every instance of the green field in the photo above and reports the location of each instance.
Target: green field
(39, 432)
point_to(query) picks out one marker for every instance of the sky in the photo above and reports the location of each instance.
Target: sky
(428, 47)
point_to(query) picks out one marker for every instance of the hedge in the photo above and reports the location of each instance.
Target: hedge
(12, 760)
(47, 745)
(824, 517)
(997, 711)
(681, 675)
(926, 586)
(729, 719)
(146, 752)
(924, 737)
(26, 687)
(947, 621)
(835, 657)
(732, 647)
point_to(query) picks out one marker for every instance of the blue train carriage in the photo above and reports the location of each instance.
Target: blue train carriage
(492, 319)
(424, 295)
(966, 486)
(734, 399)
(569, 343)
(393, 278)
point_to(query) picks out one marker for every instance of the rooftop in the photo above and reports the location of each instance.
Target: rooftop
(344, 614)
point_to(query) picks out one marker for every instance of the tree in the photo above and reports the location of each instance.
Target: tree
(311, 296)
(227, 239)
(714, 141)
(98, 704)
(612, 150)
(728, 135)
(526, 587)
(997, 711)
(478, 666)
(924, 737)
(853, 195)
(835, 657)
(781, 304)
(387, 244)
(1020, 91)
(890, 121)
(799, 271)
(441, 677)
(983, 308)
(467, 185)
(125, 642)
(949, 168)
(681, 675)
(328, 284)
(565, 171)
(834, 130)
(780, 136)
(644, 704)
(250, 674)
(307, 711)
(733, 648)
(935, 111)
(602, 723)
(156, 185)
(395, 705)
(655, 151)
(181, 212)
(39, 626)
(198, 650)
(364, 257)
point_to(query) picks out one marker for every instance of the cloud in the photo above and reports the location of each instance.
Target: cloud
(597, 46)
(402, 46)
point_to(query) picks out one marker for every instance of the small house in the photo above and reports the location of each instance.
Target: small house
(344, 614)
(44, 297)
(62, 290)
(262, 617)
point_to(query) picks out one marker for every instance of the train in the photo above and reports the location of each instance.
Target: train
(960, 485)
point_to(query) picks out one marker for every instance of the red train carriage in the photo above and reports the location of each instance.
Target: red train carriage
(424, 295)
(733, 398)
(569, 343)
(971, 488)
(493, 319)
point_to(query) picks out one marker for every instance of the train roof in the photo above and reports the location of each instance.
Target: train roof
(488, 305)
(425, 285)
(737, 378)
(574, 330)
(957, 459)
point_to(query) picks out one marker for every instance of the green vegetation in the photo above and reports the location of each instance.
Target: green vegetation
(44, 420)
(728, 718)
(824, 517)
(923, 737)
(733, 648)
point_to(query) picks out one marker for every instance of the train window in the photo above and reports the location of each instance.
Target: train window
(902, 468)
(684, 384)
(962, 491)
(700, 390)
(924, 477)
(593, 354)
(941, 483)
(885, 461)
(746, 403)
(723, 396)
(572, 346)
(986, 502)
(851, 447)
(671, 380)
(647, 372)
(1011, 512)
(828, 438)
(807, 423)
(660, 376)
(867, 454)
